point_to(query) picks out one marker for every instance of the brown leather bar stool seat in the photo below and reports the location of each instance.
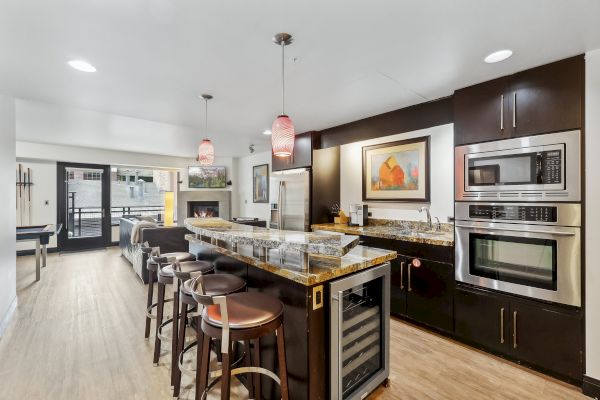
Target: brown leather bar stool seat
(152, 267)
(214, 285)
(246, 316)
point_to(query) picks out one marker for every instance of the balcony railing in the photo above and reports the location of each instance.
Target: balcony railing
(87, 221)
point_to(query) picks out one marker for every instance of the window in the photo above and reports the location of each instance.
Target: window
(71, 175)
(92, 176)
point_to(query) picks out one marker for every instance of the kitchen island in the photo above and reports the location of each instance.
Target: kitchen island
(299, 268)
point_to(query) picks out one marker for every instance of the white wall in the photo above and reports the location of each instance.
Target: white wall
(8, 285)
(592, 218)
(442, 176)
(247, 208)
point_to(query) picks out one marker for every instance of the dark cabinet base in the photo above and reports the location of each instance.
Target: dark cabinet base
(544, 336)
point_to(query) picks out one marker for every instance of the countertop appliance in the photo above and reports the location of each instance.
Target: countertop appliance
(290, 200)
(360, 333)
(528, 249)
(359, 215)
(535, 168)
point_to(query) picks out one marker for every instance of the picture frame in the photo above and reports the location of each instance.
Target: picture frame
(397, 171)
(260, 183)
(207, 177)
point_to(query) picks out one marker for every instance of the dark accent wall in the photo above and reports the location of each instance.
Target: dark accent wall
(325, 183)
(420, 116)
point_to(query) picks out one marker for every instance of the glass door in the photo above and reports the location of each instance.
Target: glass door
(83, 206)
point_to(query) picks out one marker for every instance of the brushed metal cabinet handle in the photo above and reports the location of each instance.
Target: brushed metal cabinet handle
(502, 112)
(402, 275)
(409, 283)
(514, 110)
(502, 325)
(514, 330)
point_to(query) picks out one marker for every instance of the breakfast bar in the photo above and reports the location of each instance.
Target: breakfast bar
(307, 272)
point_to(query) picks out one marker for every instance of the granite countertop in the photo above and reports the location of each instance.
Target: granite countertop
(305, 242)
(408, 231)
(320, 268)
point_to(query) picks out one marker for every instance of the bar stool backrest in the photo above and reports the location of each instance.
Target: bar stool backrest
(199, 294)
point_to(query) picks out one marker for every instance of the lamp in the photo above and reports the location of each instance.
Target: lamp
(206, 150)
(169, 208)
(283, 133)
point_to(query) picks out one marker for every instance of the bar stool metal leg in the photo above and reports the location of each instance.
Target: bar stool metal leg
(175, 328)
(176, 372)
(149, 302)
(159, 320)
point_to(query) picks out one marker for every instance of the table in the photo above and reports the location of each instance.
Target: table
(41, 235)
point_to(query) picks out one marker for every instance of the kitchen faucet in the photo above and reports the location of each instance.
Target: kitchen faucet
(426, 209)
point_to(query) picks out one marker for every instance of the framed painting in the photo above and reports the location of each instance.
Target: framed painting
(397, 171)
(260, 183)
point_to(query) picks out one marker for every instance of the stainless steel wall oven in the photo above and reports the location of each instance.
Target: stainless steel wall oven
(532, 250)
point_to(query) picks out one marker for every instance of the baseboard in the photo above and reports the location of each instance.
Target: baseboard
(6, 319)
(591, 387)
(31, 252)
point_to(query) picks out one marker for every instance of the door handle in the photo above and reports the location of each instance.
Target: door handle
(514, 330)
(554, 233)
(409, 280)
(502, 325)
(514, 110)
(402, 275)
(502, 112)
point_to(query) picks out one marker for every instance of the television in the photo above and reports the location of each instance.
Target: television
(207, 177)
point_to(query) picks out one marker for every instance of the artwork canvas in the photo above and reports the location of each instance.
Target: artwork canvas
(207, 177)
(397, 171)
(260, 183)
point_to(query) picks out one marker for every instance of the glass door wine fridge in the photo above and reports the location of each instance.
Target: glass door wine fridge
(360, 325)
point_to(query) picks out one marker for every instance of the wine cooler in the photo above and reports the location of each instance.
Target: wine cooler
(360, 325)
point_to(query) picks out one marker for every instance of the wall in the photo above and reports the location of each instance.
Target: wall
(592, 218)
(247, 208)
(8, 285)
(442, 176)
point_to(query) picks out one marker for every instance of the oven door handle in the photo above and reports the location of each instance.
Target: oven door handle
(554, 233)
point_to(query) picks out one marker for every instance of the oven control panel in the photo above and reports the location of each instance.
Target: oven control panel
(513, 213)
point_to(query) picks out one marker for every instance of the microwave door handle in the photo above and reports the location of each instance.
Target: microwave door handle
(555, 233)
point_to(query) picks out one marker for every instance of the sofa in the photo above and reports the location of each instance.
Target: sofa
(168, 239)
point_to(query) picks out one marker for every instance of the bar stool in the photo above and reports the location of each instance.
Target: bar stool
(245, 316)
(214, 285)
(164, 278)
(152, 267)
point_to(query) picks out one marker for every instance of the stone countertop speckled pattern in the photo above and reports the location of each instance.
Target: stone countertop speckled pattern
(320, 268)
(402, 230)
(306, 242)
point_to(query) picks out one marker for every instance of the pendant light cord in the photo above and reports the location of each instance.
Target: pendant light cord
(206, 117)
(282, 77)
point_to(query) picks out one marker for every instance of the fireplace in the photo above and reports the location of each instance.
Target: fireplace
(203, 209)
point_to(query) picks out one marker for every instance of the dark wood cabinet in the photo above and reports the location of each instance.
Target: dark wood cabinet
(547, 337)
(540, 100)
(397, 286)
(430, 293)
(542, 335)
(302, 155)
(547, 98)
(326, 184)
(481, 112)
(482, 318)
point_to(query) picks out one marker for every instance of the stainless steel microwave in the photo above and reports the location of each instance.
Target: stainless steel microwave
(535, 168)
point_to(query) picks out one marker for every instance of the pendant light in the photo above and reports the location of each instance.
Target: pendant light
(282, 137)
(206, 150)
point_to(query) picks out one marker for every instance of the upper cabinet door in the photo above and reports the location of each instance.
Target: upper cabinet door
(547, 98)
(304, 143)
(481, 112)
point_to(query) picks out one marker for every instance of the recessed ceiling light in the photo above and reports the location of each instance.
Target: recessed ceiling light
(81, 65)
(267, 132)
(498, 56)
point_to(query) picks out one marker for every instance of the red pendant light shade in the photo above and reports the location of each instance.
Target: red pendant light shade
(206, 152)
(282, 136)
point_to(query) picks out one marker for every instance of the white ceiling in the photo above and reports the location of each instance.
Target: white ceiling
(356, 58)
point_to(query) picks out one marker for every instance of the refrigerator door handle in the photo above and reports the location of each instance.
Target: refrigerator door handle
(280, 205)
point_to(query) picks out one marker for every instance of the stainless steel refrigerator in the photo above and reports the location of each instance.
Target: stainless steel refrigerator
(290, 200)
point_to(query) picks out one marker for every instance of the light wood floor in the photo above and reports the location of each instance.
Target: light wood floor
(78, 334)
